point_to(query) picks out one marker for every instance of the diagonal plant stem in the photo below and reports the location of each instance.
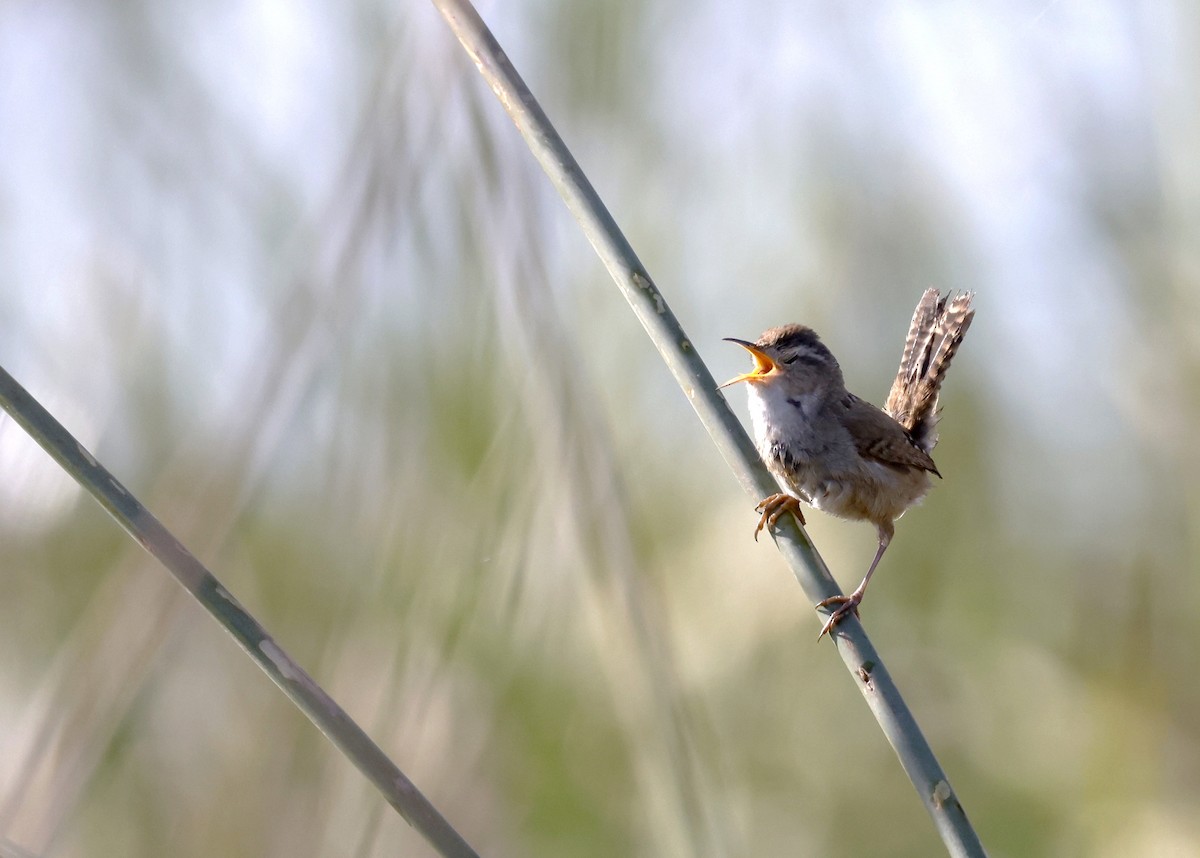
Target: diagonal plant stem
(311, 699)
(860, 657)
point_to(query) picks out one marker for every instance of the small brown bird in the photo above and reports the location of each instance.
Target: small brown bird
(837, 452)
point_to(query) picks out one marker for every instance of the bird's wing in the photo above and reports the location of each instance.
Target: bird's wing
(878, 436)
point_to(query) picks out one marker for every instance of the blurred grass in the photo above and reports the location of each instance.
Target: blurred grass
(357, 357)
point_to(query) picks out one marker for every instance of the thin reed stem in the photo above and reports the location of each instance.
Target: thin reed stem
(312, 700)
(697, 383)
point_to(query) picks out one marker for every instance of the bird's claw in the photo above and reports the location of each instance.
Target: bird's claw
(846, 605)
(773, 508)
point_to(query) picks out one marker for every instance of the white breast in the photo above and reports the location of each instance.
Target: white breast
(823, 465)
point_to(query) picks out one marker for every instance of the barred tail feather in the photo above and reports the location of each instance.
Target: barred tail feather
(937, 330)
(923, 320)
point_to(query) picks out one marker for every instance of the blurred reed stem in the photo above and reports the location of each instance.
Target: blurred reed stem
(631, 277)
(308, 696)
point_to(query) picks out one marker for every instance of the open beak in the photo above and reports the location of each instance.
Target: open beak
(763, 364)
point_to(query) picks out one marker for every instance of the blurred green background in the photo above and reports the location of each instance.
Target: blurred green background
(287, 269)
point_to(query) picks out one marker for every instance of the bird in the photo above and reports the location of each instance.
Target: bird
(837, 452)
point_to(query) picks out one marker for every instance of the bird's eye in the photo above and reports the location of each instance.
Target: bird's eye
(789, 359)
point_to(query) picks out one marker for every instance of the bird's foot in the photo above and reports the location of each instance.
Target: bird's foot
(846, 605)
(773, 507)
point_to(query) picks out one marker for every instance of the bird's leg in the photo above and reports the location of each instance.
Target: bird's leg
(773, 507)
(849, 604)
